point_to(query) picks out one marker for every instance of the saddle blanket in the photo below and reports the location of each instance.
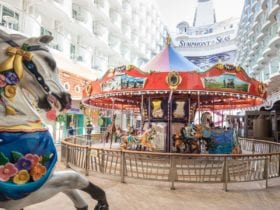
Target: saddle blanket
(26, 162)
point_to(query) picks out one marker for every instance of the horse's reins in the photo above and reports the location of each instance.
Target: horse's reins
(29, 64)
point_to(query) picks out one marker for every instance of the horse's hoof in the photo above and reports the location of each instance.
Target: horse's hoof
(101, 206)
(84, 208)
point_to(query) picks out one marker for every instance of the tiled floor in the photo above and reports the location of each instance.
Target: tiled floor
(138, 195)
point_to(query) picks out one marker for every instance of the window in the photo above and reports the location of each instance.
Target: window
(77, 89)
(72, 51)
(10, 18)
(66, 86)
(44, 31)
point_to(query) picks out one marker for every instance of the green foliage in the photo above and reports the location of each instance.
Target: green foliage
(60, 118)
(16, 155)
(3, 159)
(46, 158)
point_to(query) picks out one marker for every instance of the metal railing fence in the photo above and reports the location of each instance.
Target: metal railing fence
(260, 162)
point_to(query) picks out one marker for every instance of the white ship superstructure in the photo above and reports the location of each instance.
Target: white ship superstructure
(207, 42)
(96, 34)
(259, 44)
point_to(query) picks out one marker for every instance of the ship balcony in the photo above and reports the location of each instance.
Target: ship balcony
(64, 6)
(266, 26)
(135, 23)
(251, 53)
(275, 34)
(267, 52)
(274, 69)
(116, 19)
(254, 25)
(255, 45)
(83, 55)
(100, 63)
(255, 67)
(135, 40)
(258, 14)
(103, 6)
(126, 31)
(254, 4)
(101, 32)
(250, 34)
(58, 41)
(82, 16)
(275, 42)
(115, 43)
(273, 11)
(116, 4)
(263, 4)
(260, 37)
(127, 10)
(262, 61)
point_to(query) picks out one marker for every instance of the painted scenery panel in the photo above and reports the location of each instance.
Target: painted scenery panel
(123, 82)
(226, 81)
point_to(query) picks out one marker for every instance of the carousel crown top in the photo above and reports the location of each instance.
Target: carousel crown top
(170, 60)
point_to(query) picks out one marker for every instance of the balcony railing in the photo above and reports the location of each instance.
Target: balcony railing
(116, 18)
(82, 15)
(103, 6)
(101, 32)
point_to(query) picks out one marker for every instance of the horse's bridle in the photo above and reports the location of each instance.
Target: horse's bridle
(29, 64)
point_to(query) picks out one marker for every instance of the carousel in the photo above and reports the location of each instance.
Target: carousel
(168, 93)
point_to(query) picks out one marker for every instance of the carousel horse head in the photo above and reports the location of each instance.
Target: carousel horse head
(28, 72)
(206, 119)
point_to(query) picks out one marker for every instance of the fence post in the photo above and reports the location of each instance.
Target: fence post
(266, 174)
(87, 160)
(173, 172)
(253, 148)
(123, 166)
(278, 165)
(225, 174)
(62, 152)
(102, 170)
(67, 154)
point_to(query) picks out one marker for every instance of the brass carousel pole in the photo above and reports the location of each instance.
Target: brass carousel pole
(213, 111)
(142, 113)
(189, 101)
(198, 101)
(169, 122)
(149, 110)
(113, 126)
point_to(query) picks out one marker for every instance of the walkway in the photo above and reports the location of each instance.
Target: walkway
(138, 195)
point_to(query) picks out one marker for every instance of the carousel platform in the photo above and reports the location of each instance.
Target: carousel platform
(141, 195)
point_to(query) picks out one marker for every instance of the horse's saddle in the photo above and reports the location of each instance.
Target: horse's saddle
(26, 162)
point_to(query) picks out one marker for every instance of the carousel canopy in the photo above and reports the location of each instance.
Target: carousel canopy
(170, 60)
(221, 87)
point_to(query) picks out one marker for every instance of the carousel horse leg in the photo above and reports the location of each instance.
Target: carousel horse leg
(97, 194)
(67, 182)
(78, 201)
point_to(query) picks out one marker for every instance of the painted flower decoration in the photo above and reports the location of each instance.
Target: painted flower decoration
(2, 81)
(22, 177)
(7, 171)
(23, 164)
(38, 171)
(10, 91)
(11, 78)
(33, 158)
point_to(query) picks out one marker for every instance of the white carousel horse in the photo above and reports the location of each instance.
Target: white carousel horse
(206, 119)
(27, 68)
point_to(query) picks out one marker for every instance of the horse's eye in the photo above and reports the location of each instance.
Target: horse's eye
(50, 62)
